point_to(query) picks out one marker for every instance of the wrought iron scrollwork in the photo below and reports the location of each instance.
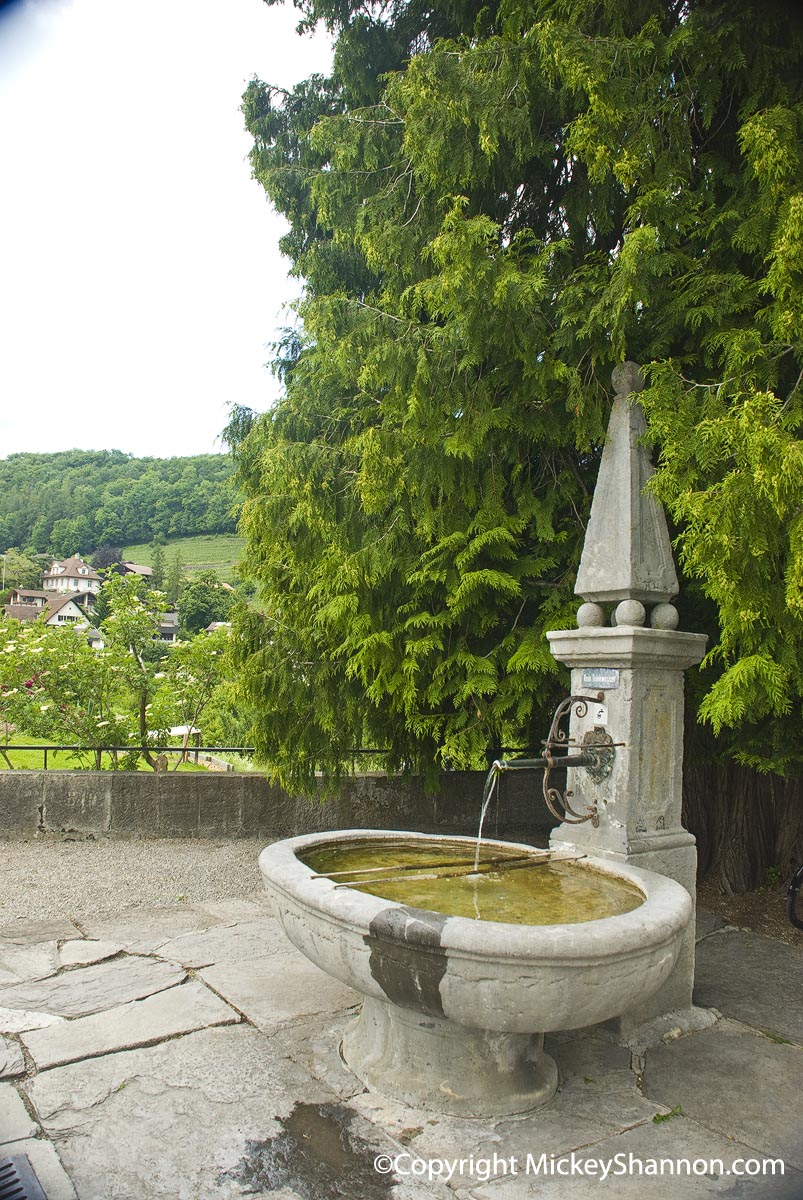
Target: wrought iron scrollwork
(595, 753)
(597, 757)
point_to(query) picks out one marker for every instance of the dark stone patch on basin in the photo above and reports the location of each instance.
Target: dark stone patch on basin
(407, 960)
(316, 1155)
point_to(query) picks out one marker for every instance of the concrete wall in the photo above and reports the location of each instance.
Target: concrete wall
(143, 804)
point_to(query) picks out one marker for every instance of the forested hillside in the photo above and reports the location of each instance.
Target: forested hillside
(76, 500)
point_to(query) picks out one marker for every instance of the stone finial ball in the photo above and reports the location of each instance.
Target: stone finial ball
(589, 614)
(630, 612)
(627, 378)
(664, 616)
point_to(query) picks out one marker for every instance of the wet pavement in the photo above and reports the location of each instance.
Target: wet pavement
(191, 1053)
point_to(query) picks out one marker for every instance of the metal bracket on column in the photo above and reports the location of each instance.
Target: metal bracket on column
(600, 748)
(597, 755)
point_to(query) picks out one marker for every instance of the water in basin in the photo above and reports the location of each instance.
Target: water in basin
(439, 876)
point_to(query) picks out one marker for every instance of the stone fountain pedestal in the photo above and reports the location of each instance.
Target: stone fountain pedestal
(433, 1063)
(628, 651)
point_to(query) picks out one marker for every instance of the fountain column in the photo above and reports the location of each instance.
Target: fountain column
(628, 648)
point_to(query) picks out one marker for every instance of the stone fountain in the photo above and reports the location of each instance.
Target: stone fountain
(636, 658)
(457, 1003)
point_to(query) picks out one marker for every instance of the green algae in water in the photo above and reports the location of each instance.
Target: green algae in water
(540, 893)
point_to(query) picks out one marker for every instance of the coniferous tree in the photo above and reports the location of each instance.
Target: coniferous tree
(158, 564)
(489, 208)
(174, 580)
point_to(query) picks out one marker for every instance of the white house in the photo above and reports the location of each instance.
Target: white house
(65, 610)
(71, 575)
(57, 610)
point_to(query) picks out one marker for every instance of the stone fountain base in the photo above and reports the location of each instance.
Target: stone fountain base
(430, 1062)
(455, 1008)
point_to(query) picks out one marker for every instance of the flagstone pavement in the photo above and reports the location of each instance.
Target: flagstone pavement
(190, 1052)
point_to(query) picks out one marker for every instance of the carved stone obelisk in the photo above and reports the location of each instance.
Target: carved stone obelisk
(628, 649)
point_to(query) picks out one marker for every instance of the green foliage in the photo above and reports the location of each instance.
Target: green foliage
(53, 685)
(131, 692)
(202, 602)
(77, 501)
(196, 669)
(489, 209)
(675, 1111)
(20, 571)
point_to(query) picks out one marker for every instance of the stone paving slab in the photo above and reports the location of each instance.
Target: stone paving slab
(141, 931)
(672, 1141)
(139, 1023)
(23, 963)
(708, 923)
(183, 1120)
(14, 1120)
(271, 991)
(754, 979)
(25, 933)
(257, 908)
(46, 1163)
(91, 989)
(244, 940)
(17, 1020)
(84, 952)
(314, 1044)
(737, 1083)
(11, 1060)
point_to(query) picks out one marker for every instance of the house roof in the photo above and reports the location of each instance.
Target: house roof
(56, 603)
(30, 594)
(70, 568)
(136, 568)
(22, 612)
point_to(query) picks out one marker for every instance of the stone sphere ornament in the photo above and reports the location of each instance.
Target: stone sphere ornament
(630, 612)
(590, 615)
(664, 616)
(627, 378)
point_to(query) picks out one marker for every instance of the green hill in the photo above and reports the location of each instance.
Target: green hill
(77, 501)
(216, 552)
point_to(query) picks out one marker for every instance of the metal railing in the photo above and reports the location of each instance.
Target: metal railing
(188, 751)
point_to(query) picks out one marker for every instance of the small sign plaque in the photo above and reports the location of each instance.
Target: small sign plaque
(601, 678)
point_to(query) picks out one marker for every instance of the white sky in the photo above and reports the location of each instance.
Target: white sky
(140, 280)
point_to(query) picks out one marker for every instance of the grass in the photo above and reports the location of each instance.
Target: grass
(219, 552)
(32, 760)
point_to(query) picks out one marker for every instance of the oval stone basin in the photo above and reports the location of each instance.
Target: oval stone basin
(456, 1004)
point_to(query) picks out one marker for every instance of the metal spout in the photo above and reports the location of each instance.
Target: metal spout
(596, 757)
